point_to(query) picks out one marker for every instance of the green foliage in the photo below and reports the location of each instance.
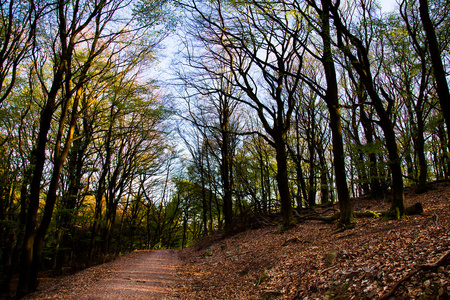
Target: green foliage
(375, 214)
(160, 16)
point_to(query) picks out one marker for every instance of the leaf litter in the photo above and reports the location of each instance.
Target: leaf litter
(311, 261)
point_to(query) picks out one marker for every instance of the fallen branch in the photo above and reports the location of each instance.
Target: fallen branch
(394, 288)
(328, 269)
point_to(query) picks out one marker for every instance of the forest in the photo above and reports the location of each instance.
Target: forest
(264, 108)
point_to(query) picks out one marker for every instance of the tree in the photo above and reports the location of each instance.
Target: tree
(320, 22)
(19, 124)
(309, 141)
(81, 27)
(359, 60)
(128, 141)
(255, 172)
(197, 145)
(373, 147)
(215, 113)
(332, 100)
(70, 200)
(414, 76)
(436, 61)
(252, 47)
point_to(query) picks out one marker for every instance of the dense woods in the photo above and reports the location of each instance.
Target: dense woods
(271, 107)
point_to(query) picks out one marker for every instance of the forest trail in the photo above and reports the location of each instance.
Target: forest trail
(145, 274)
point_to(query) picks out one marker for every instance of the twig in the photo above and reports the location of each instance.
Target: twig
(328, 269)
(436, 219)
(437, 263)
(391, 292)
(347, 235)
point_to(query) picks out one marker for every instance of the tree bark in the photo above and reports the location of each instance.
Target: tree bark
(202, 151)
(332, 100)
(438, 67)
(226, 182)
(37, 159)
(301, 184)
(419, 142)
(75, 169)
(311, 135)
(60, 158)
(282, 180)
(375, 186)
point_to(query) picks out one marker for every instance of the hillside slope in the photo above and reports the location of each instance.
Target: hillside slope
(311, 261)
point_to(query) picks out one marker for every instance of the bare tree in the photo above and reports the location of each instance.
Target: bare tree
(263, 60)
(216, 115)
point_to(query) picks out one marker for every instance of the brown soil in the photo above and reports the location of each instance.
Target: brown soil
(138, 275)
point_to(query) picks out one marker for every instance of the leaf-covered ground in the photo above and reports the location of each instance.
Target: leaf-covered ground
(311, 261)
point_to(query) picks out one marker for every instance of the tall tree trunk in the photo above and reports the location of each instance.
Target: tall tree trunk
(360, 165)
(60, 158)
(24, 197)
(75, 168)
(436, 60)
(282, 179)
(332, 99)
(101, 187)
(363, 68)
(210, 195)
(203, 187)
(311, 136)
(375, 186)
(263, 182)
(226, 165)
(398, 205)
(324, 184)
(301, 184)
(37, 160)
(419, 143)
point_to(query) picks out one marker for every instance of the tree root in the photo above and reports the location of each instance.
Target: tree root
(394, 288)
(415, 209)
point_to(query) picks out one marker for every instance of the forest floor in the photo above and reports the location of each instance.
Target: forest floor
(309, 261)
(312, 261)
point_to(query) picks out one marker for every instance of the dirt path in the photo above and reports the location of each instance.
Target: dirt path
(138, 275)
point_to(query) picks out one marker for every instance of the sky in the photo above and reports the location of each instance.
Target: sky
(169, 49)
(387, 5)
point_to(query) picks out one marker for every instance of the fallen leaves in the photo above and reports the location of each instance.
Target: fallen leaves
(369, 261)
